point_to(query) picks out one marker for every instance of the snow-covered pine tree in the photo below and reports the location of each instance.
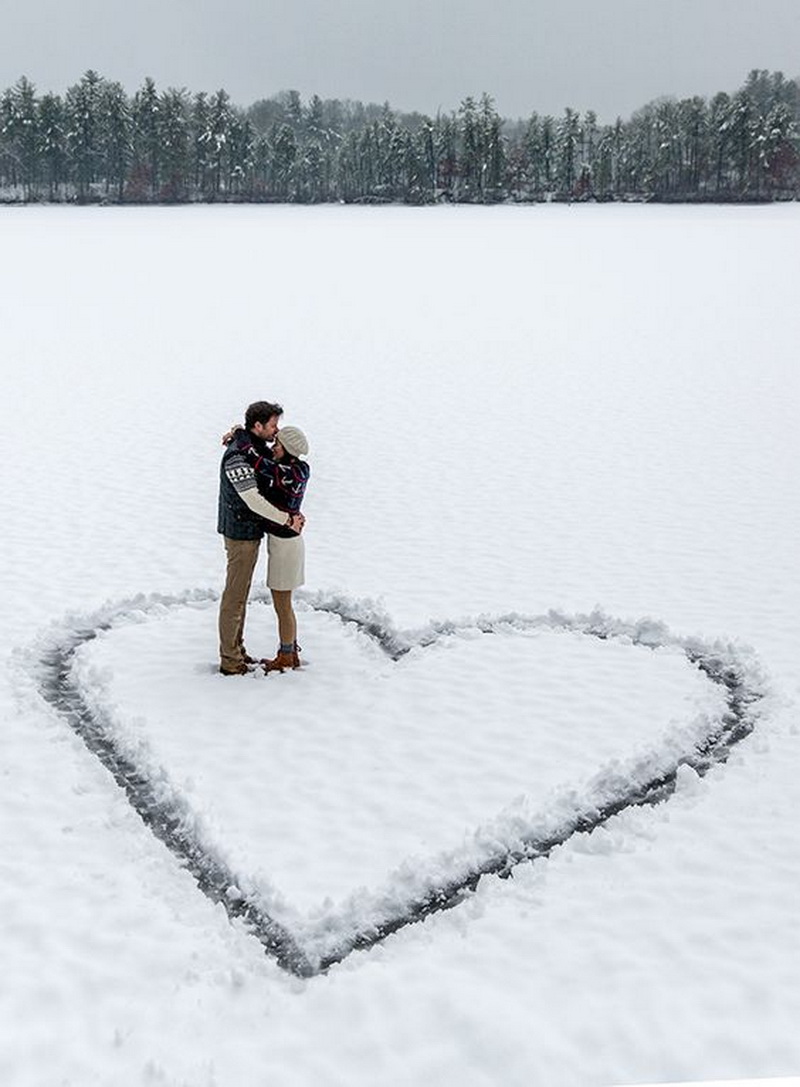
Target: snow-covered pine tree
(84, 133)
(174, 139)
(51, 134)
(146, 113)
(116, 139)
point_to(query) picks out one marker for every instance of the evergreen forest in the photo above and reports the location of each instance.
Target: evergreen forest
(98, 144)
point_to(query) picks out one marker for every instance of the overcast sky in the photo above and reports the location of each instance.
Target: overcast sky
(608, 55)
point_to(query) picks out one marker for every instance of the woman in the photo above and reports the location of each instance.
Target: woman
(282, 478)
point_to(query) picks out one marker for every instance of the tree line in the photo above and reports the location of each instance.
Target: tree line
(96, 143)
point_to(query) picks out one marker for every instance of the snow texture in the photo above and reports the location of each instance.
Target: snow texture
(529, 429)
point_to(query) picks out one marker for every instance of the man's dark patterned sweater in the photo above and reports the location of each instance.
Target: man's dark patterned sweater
(244, 513)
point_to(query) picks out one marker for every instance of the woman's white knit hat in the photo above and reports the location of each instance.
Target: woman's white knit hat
(293, 440)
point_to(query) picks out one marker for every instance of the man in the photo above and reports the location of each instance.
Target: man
(240, 520)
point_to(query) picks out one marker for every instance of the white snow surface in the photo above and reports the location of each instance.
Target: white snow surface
(512, 412)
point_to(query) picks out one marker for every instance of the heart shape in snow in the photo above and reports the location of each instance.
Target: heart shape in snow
(399, 768)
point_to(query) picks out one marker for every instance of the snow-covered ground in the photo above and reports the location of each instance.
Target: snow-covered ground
(519, 418)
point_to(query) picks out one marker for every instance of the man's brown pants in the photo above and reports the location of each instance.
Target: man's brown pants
(242, 556)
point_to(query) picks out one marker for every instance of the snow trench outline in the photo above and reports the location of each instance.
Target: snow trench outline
(168, 816)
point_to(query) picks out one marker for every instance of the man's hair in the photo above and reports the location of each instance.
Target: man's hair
(261, 412)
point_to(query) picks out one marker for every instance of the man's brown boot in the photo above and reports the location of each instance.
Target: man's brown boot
(237, 670)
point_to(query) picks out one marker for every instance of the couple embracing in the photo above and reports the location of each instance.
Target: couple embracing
(262, 483)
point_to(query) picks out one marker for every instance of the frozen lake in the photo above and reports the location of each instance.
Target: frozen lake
(510, 410)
